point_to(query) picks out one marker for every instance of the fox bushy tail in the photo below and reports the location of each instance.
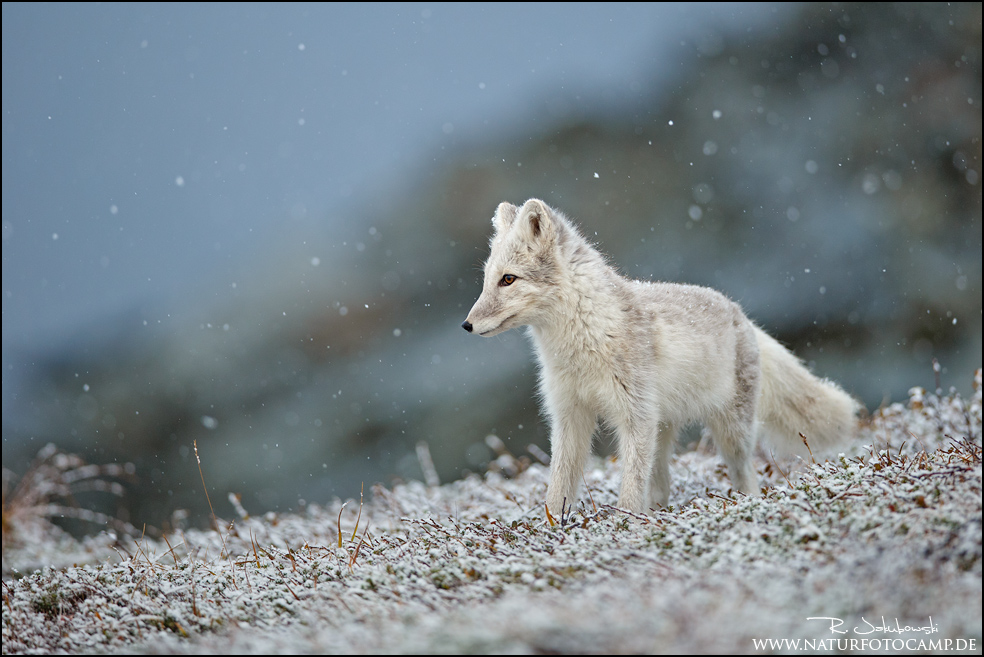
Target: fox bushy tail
(792, 401)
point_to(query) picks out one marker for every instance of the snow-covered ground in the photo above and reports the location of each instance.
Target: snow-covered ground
(875, 550)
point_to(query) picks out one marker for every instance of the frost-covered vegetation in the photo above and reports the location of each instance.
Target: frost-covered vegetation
(884, 535)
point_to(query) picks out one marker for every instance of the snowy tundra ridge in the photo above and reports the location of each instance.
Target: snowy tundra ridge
(884, 539)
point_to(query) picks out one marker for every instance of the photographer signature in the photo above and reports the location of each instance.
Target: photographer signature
(886, 628)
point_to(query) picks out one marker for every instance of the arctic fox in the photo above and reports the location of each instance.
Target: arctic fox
(646, 358)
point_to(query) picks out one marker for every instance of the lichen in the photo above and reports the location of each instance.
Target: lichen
(889, 529)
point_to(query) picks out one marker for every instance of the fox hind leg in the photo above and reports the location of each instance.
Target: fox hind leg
(734, 427)
(735, 440)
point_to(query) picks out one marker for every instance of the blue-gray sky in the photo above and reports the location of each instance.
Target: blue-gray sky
(147, 147)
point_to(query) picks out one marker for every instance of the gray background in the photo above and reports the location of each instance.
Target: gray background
(260, 226)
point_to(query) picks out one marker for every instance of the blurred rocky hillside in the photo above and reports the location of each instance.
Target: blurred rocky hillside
(826, 176)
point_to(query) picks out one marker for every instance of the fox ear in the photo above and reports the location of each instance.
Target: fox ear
(536, 218)
(504, 217)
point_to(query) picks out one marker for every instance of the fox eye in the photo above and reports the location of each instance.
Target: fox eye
(508, 279)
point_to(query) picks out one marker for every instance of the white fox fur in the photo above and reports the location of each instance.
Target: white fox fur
(646, 358)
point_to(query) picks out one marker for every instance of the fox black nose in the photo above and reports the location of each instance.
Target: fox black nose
(466, 325)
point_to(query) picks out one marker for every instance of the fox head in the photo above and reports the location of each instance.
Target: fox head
(522, 269)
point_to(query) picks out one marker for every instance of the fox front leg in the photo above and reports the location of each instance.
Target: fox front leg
(570, 444)
(638, 447)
